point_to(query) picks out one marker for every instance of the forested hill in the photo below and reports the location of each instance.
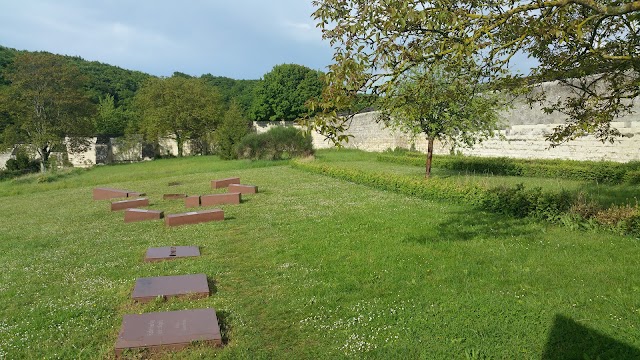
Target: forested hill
(103, 78)
(108, 84)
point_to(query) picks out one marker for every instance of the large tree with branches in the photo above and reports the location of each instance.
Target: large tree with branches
(590, 46)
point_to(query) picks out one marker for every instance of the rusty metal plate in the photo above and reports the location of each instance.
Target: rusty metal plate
(173, 196)
(194, 217)
(243, 189)
(134, 215)
(173, 330)
(171, 252)
(108, 193)
(147, 289)
(128, 204)
(223, 183)
(220, 199)
(192, 201)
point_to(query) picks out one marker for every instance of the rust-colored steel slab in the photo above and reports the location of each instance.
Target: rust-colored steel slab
(194, 217)
(223, 183)
(243, 189)
(135, 194)
(173, 330)
(192, 201)
(219, 199)
(170, 253)
(108, 193)
(147, 289)
(133, 215)
(174, 196)
(128, 204)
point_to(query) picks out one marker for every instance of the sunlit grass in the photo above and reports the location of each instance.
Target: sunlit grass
(310, 267)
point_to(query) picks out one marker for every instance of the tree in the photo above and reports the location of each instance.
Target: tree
(233, 128)
(110, 120)
(47, 104)
(283, 92)
(590, 46)
(443, 105)
(185, 108)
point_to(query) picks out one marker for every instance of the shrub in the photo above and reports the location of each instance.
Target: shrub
(602, 172)
(234, 127)
(276, 144)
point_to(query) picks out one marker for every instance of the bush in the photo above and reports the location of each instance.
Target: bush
(21, 165)
(276, 144)
(560, 207)
(601, 172)
(234, 127)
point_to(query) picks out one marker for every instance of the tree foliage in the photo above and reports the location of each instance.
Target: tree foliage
(442, 104)
(232, 90)
(590, 46)
(233, 128)
(283, 92)
(47, 104)
(185, 108)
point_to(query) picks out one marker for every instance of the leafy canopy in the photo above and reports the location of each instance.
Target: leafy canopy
(283, 92)
(47, 104)
(185, 108)
(442, 104)
(590, 46)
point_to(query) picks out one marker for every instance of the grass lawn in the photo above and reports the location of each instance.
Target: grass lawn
(604, 194)
(311, 267)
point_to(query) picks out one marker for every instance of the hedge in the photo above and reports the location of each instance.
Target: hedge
(561, 207)
(601, 172)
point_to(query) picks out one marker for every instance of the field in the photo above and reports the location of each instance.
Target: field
(311, 268)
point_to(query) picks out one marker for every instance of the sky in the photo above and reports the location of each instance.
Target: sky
(241, 39)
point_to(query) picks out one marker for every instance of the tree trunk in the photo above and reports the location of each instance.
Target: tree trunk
(429, 158)
(44, 159)
(180, 144)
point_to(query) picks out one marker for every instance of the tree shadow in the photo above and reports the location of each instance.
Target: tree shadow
(571, 340)
(471, 224)
(224, 321)
(213, 288)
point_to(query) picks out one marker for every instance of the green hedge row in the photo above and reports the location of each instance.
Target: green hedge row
(560, 207)
(602, 172)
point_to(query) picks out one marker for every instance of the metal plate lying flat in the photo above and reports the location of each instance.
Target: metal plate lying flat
(147, 289)
(128, 204)
(223, 183)
(243, 189)
(171, 252)
(195, 217)
(108, 193)
(220, 199)
(173, 330)
(133, 215)
(173, 196)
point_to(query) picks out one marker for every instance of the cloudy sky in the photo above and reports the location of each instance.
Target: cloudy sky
(242, 39)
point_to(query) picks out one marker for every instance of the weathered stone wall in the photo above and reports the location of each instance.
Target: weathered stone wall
(523, 135)
(4, 157)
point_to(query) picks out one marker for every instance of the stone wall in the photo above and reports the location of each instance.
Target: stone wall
(522, 135)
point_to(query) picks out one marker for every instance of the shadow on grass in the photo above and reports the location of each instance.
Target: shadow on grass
(570, 340)
(224, 320)
(213, 288)
(472, 224)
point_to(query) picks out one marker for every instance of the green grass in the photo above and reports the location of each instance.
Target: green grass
(311, 267)
(603, 194)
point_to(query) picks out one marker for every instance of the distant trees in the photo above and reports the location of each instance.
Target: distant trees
(283, 92)
(185, 108)
(233, 128)
(46, 103)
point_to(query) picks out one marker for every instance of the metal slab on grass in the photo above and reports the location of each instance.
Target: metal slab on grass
(223, 183)
(171, 253)
(147, 289)
(173, 330)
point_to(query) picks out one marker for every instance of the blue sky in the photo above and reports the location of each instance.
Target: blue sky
(242, 39)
